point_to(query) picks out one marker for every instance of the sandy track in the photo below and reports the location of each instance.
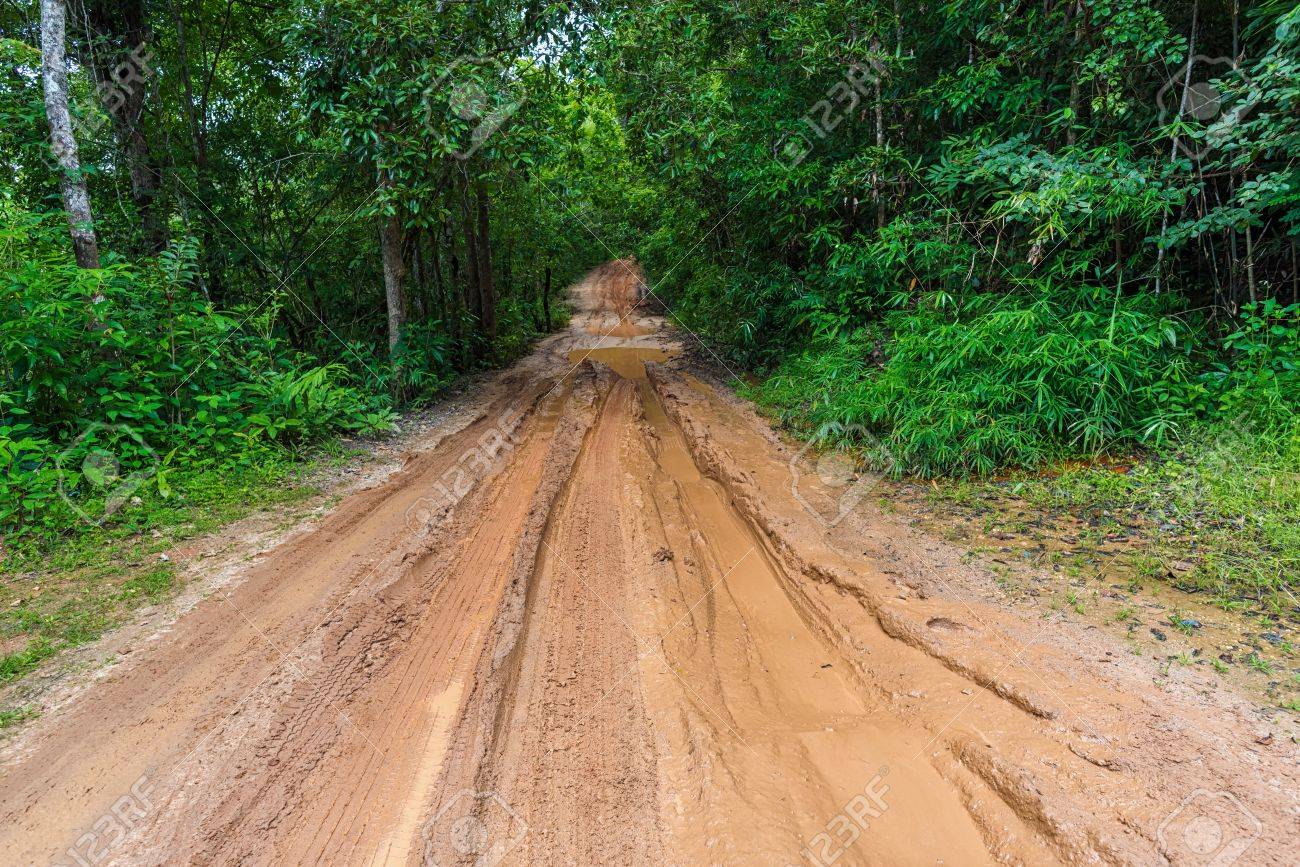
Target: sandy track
(594, 626)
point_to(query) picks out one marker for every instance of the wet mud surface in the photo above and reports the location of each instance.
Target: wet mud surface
(606, 621)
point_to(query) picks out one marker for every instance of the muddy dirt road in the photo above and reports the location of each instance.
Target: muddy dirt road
(615, 620)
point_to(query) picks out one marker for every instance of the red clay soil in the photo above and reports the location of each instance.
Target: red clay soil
(605, 622)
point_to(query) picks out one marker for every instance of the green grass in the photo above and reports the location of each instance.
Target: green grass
(58, 592)
(16, 715)
(1220, 512)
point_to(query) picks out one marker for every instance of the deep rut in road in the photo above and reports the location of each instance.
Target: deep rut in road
(595, 625)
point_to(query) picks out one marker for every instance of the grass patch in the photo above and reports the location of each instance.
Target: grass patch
(16, 715)
(59, 591)
(1219, 513)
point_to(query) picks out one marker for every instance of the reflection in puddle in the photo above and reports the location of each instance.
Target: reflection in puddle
(620, 329)
(627, 361)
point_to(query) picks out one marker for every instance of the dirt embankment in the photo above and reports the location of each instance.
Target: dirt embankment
(610, 621)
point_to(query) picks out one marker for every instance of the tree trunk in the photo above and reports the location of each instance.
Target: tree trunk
(419, 276)
(122, 73)
(474, 285)
(546, 299)
(1076, 91)
(390, 239)
(435, 260)
(1250, 265)
(390, 245)
(876, 194)
(487, 291)
(76, 199)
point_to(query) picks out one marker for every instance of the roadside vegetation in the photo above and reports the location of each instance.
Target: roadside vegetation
(258, 232)
(969, 240)
(981, 241)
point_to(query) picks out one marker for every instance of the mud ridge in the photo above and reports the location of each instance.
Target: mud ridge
(634, 636)
(1021, 791)
(483, 724)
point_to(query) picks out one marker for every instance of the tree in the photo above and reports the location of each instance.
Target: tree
(116, 50)
(390, 241)
(54, 74)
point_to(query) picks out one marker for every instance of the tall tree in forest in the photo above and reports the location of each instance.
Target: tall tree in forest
(487, 289)
(390, 245)
(76, 199)
(117, 51)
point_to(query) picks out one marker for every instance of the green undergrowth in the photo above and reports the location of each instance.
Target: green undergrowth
(1218, 512)
(998, 388)
(60, 590)
(970, 386)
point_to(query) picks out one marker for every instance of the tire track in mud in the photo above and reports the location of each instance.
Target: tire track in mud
(575, 754)
(401, 663)
(667, 703)
(233, 771)
(802, 743)
(624, 644)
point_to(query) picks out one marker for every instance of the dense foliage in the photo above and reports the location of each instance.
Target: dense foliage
(309, 215)
(125, 362)
(986, 233)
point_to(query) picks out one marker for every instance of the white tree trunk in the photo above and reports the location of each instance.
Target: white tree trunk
(76, 200)
(390, 239)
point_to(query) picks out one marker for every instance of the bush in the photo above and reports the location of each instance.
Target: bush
(111, 377)
(970, 385)
(1259, 376)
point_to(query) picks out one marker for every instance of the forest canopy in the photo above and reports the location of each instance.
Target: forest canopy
(975, 235)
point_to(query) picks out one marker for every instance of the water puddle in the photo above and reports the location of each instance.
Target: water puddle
(627, 361)
(620, 329)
